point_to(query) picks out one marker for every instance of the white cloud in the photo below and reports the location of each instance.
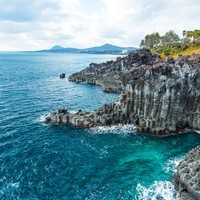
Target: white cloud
(40, 24)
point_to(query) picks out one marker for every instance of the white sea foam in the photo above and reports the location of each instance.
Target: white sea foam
(172, 164)
(73, 111)
(115, 129)
(158, 190)
(41, 119)
(197, 131)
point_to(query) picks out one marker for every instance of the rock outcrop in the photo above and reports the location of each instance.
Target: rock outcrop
(188, 176)
(107, 74)
(158, 96)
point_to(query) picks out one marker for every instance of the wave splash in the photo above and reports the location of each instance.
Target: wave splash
(171, 165)
(197, 131)
(115, 129)
(158, 190)
(41, 119)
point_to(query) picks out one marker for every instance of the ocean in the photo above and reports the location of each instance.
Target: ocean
(39, 161)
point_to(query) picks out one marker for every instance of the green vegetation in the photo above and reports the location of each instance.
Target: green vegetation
(172, 44)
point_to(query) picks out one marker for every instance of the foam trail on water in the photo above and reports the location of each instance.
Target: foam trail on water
(158, 190)
(115, 129)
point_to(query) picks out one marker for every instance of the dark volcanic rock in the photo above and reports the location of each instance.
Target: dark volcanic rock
(157, 96)
(107, 75)
(188, 176)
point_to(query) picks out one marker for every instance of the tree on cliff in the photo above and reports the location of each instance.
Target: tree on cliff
(193, 36)
(150, 40)
(170, 38)
(170, 43)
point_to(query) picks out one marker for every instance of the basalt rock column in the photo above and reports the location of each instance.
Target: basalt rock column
(159, 97)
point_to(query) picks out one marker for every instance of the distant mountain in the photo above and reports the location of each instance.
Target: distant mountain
(62, 49)
(104, 49)
(57, 48)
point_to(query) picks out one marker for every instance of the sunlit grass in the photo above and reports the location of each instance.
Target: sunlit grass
(190, 51)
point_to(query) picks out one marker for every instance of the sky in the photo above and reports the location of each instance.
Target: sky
(41, 24)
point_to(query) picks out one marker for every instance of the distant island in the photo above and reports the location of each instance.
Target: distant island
(104, 49)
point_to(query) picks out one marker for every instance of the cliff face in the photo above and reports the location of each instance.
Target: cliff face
(164, 96)
(188, 176)
(107, 75)
(158, 96)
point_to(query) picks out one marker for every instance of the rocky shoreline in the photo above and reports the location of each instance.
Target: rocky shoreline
(187, 177)
(109, 82)
(158, 96)
(107, 74)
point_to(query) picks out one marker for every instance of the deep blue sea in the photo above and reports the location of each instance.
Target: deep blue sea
(42, 161)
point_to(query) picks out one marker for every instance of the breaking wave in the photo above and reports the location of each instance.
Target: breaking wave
(115, 129)
(171, 165)
(163, 190)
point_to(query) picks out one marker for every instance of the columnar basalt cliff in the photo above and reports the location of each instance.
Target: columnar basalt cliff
(158, 96)
(188, 176)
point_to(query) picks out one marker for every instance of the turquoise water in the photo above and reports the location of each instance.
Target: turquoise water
(41, 161)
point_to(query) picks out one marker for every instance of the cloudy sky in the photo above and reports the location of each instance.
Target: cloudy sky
(41, 24)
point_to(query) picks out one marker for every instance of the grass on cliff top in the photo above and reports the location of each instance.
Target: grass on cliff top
(188, 51)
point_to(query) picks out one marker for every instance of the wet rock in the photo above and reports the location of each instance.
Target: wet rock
(188, 176)
(62, 75)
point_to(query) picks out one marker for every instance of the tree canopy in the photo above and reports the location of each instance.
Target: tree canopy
(170, 42)
(154, 39)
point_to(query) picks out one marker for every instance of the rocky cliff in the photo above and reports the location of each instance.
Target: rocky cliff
(158, 96)
(107, 75)
(188, 176)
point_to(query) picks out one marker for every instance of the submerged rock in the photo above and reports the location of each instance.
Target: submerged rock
(158, 96)
(188, 176)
